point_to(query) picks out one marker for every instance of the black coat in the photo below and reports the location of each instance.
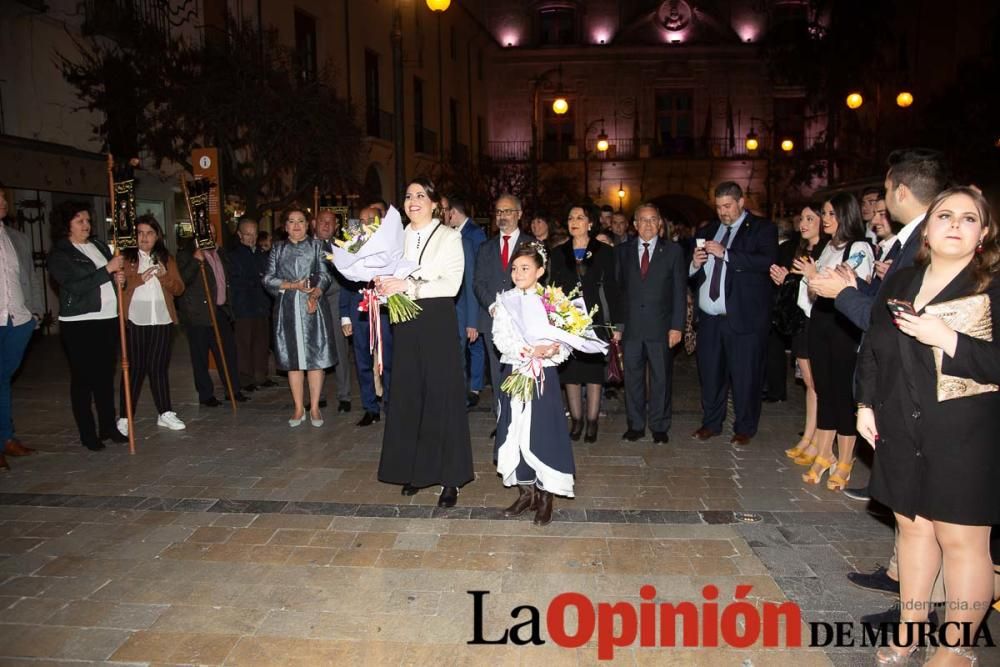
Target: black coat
(939, 460)
(246, 272)
(597, 270)
(192, 305)
(748, 285)
(651, 307)
(78, 278)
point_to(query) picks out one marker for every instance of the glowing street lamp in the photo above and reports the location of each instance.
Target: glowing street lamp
(438, 5)
(787, 145)
(904, 99)
(602, 142)
(753, 141)
(560, 105)
(854, 100)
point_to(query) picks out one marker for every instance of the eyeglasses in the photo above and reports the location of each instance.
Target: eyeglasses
(646, 221)
(506, 211)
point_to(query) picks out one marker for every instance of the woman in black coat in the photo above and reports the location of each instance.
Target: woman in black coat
(589, 264)
(937, 464)
(82, 268)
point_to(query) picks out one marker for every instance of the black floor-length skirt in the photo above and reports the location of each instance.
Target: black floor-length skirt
(426, 440)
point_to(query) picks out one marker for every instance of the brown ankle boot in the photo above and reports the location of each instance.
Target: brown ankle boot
(543, 508)
(525, 501)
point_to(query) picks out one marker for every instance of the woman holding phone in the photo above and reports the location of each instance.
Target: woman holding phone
(833, 341)
(928, 402)
(297, 276)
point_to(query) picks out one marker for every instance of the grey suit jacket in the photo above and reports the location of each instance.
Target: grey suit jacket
(491, 277)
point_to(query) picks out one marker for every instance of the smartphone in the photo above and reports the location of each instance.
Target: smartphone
(899, 306)
(699, 243)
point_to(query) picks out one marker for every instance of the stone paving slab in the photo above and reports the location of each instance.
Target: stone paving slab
(240, 541)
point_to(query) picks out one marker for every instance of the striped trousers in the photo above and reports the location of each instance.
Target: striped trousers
(148, 354)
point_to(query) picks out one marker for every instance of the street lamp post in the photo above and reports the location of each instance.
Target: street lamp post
(397, 93)
(439, 7)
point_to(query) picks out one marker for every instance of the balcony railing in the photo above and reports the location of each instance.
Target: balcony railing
(508, 151)
(424, 140)
(379, 124)
(624, 148)
(107, 17)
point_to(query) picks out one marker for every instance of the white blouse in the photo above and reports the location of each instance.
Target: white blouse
(441, 258)
(860, 258)
(109, 302)
(148, 305)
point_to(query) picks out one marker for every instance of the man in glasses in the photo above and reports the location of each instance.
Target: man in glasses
(492, 274)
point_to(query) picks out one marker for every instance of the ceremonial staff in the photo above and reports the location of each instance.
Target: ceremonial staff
(126, 215)
(204, 242)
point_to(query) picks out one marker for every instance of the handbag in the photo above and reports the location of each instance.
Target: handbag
(972, 316)
(616, 363)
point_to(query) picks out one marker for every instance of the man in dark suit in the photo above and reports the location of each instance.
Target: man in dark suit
(729, 274)
(915, 177)
(356, 325)
(473, 353)
(492, 275)
(651, 276)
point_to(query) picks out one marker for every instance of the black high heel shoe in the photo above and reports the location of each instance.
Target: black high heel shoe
(591, 435)
(575, 429)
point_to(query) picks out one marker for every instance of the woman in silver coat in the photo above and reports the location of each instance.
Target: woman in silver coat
(297, 276)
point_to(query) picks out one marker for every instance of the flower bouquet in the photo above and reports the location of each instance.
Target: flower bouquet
(551, 317)
(364, 252)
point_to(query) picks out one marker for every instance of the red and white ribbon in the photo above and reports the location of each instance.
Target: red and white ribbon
(370, 302)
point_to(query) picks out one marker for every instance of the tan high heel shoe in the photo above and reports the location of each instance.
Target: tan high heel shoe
(799, 449)
(815, 473)
(838, 478)
(887, 656)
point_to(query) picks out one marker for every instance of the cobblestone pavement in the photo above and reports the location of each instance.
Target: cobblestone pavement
(241, 541)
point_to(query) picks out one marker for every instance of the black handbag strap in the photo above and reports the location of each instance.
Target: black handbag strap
(420, 260)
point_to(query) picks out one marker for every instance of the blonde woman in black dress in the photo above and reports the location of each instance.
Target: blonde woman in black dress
(426, 441)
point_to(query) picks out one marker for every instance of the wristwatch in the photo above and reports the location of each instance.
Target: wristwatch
(864, 405)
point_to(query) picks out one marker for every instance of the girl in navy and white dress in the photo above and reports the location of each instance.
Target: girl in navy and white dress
(533, 449)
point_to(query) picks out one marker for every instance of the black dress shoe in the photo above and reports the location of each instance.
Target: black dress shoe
(493, 433)
(860, 493)
(212, 402)
(409, 490)
(369, 419)
(95, 446)
(250, 387)
(268, 383)
(344, 406)
(240, 397)
(632, 435)
(878, 581)
(114, 435)
(472, 400)
(322, 402)
(448, 497)
(660, 437)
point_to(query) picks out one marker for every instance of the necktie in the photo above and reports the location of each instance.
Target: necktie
(714, 288)
(644, 262)
(505, 251)
(890, 252)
